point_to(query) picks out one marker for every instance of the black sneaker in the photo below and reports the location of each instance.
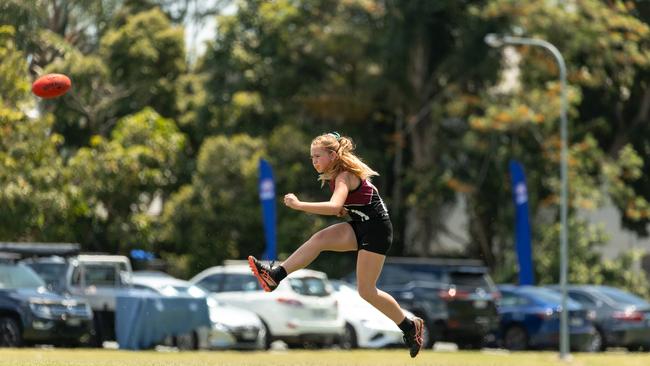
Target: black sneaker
(263, 274)
(413, 339)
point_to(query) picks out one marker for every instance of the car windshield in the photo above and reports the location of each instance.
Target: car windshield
(622, 296)
(393, 274)
(547, 295)
(52, 273)
(18, 276)
(310, 286)
(542, 294)
(470, 280)
(240, 282)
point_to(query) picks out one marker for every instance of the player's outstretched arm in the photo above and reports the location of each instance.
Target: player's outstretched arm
(332, 207)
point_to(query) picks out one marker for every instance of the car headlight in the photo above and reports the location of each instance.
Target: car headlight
(41, 310)
(81, 310)
(221, 327)
(215, 317)
(591, 315)
(212, 303)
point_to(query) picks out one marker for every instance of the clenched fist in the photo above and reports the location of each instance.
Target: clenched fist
(290, 200)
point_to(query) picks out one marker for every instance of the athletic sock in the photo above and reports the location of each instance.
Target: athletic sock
(406, 325)
(278, 273)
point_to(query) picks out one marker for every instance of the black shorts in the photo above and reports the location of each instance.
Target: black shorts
(374, 235)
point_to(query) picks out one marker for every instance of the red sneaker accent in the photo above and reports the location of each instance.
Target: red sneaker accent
(263, 276)
(414, 341)
(419, 331)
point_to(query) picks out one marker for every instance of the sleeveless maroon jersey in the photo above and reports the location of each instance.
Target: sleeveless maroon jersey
(364, 203)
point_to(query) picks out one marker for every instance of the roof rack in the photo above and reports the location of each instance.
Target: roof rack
(40, 249)
(9, 257)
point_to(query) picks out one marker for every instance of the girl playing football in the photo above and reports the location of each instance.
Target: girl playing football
(369, 230)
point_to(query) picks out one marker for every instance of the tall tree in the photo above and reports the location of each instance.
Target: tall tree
(217, 216)
(32, 180)
(137, 65)
(428, 47)
(520, 120)
(146, 56)
(120, 180)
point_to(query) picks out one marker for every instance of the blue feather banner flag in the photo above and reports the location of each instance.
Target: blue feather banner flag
(267, 198)
(522, 223)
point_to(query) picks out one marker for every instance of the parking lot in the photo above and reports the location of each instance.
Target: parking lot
(73, 300)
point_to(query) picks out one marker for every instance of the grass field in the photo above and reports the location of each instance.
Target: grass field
(62, 357)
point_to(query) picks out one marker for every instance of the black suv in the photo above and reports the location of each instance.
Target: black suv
(455, 297)
(30, 314)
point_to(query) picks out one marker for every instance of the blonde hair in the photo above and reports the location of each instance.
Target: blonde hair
(347, 161)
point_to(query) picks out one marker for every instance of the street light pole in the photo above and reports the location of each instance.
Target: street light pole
(495, 40)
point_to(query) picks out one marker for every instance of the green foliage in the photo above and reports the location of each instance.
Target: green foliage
(522, 118)
(119, 179)
(89, 108)
(272, 60)
(608, 53)
(14, 84)
(411, 81)
(217, 216)
(31, 179)
(293, 173)
(23, 16)
(585, 261)
(146, 56)
(137, 66)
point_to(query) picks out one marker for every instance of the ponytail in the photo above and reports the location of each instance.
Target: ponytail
(347, 160)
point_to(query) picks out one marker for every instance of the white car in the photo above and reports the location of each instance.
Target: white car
(366, 327)
(231, 327)
(301, 311)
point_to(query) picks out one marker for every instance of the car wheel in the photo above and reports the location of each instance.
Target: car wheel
(633, 348)
(187, 341)
(268, 337)
(263, 338)
(433, 333)
(597, 343)
(328, 342)
(515, 338)
(349, 338)
(10, 334)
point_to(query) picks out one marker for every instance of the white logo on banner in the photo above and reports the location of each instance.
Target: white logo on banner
(267, 189)
(521, 194)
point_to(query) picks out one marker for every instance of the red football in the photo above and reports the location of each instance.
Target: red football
(51, 85)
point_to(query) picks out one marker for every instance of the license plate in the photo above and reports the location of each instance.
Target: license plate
(576, 322)
(249, 334)
(319, 313)
(480, 304)
(73, 322)
(482, 320)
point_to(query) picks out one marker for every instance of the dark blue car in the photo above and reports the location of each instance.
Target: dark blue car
(530, 318)
(622, 319)
(30, 314)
